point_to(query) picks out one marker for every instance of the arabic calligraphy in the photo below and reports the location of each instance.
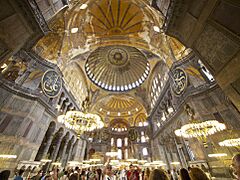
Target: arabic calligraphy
(51, 83)
(132, 134)
(179, 81)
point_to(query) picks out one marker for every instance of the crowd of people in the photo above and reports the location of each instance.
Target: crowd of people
(133, 173)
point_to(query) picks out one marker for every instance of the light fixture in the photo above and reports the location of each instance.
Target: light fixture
(61, 119)
(83, 6)
(175, 163)
(74, 163)
(112, 154)
(114, 161)
(132, 160)
(230, 142)
(217, 155)
(200, 130)
(157, 162)
(147, 164)
(74, 30)
(99, 164)
(83, 122)
(94, 160)
(142, 161)
(57, 163)
(86, 162)
(8, 156)
(46, 160)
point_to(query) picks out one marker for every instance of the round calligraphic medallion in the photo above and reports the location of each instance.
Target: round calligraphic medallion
(51, 83)
(179, 81)
(132, 134)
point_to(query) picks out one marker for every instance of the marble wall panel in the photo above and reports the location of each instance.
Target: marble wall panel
(215, 48)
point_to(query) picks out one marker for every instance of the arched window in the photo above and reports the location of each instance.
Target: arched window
(143, 139)
(112, 141)
(119, 154)
(145, 151)
(119, 142)
(126, 153)
(125, 141)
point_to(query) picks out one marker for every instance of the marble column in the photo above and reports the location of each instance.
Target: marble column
(83, 149)
(61, 102)
(63, 152)
(54, 156)
(67, 152)
(166, 156)
(66, 106)
(49, 142)
(182, 162)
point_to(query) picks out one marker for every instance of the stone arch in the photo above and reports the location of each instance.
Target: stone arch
(62, 147)
(55, 141)
(46, 140)
(68, 151)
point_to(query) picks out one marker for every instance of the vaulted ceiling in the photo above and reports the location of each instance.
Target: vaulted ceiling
(109, 47)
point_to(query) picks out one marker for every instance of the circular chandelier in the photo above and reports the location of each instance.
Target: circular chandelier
(112, 154)
(200, 130)
(81, 122)
(230, 142)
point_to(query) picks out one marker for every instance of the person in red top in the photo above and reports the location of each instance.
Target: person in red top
(132, 174)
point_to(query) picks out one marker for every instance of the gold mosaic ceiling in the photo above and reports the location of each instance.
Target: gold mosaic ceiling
(117, 68)
(124, 107)
(78, 30)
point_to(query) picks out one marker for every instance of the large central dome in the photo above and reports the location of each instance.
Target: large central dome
(117, 68)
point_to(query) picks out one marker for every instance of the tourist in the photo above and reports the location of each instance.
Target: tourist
(146, 174)
(197, 174)
(236, 165)
(169, 174)
(83, 175)
(108, 174)
(65, 176)
(158, 174)
(123, 175)
(99, 174)
(75, 174)
(20, 173)
(132, 174)
(183, 174)
(37, 174)
(48, 177)
(4, 175)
